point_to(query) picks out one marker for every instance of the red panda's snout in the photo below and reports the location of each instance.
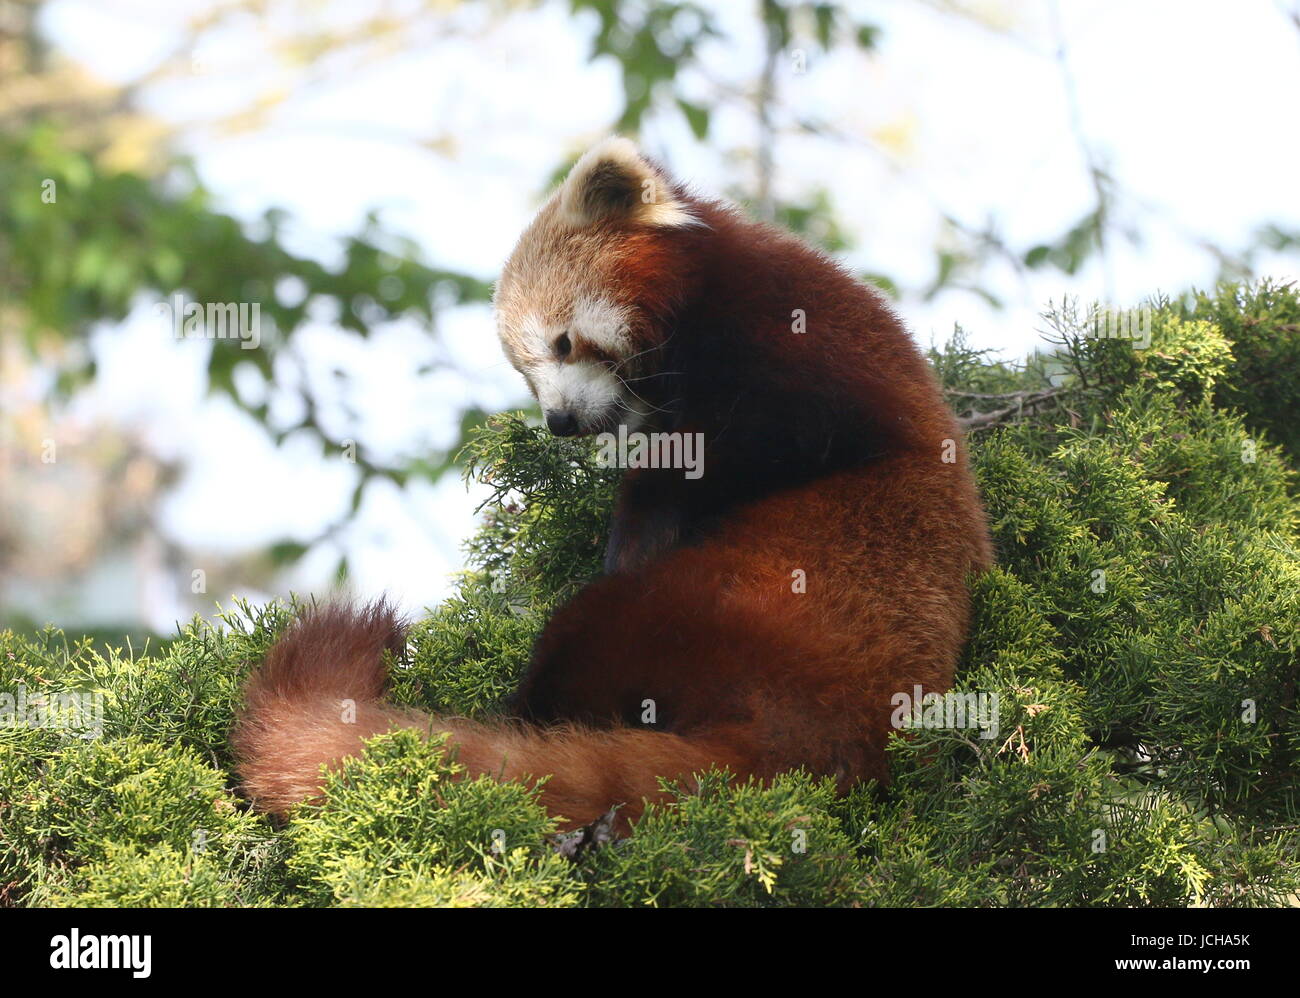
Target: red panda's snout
(562, 423)
(579, 397)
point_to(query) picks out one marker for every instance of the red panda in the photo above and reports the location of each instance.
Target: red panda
(765, 611)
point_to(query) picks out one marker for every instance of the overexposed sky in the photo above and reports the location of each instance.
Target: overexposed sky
(1192, 105)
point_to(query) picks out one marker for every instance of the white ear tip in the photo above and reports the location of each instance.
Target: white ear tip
(618, 147)
(620, 144)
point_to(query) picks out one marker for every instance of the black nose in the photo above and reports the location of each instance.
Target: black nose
(562, 424)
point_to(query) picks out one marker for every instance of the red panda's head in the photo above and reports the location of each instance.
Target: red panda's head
(585, 300)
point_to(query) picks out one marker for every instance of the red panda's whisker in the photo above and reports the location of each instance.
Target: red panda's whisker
(641, 353)
(653, 407)
(647, 377)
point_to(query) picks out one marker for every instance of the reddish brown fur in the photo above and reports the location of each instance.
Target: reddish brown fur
(824, 453)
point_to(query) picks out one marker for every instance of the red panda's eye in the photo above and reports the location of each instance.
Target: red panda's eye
(563, 345)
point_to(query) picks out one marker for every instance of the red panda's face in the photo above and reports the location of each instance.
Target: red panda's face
(583, 299)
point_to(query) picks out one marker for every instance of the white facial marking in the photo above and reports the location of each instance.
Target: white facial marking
(587, 390)
(532, 332)
(604, 325)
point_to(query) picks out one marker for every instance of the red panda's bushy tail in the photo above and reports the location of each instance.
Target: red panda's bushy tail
(317, 696)
(320, 692)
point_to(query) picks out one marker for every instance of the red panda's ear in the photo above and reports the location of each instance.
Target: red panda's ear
(614, 181)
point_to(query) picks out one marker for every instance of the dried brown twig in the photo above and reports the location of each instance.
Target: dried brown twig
(1019, 404)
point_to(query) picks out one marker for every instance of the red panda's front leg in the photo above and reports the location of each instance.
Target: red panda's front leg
(580, 662)
(648, 521)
